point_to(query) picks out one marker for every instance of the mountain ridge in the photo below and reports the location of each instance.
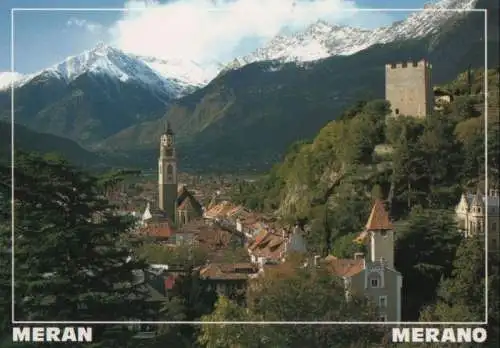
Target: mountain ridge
(245, 117)
(322, 39)
(239, 113)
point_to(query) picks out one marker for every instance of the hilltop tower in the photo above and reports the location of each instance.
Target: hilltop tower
(167, 175)
(408, 87)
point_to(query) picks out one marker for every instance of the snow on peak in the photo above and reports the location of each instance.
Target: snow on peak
(187, 72)
(321, 39)
(105, 60)
(7, 79)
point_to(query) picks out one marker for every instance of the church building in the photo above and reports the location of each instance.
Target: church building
(173, 205)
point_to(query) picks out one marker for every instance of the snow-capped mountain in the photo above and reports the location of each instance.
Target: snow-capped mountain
(8, 78)
(321, 39)
(175, 78)
(104, 60)
(188, 72)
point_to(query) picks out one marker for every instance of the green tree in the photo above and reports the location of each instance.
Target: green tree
(463, 107)
(73, 254)
(235, 335)
(442, 161)
(425, 246)
(293, 293)
(461, 296)
(289, 293)
(345, 247)
(5, 265)
(409, 175)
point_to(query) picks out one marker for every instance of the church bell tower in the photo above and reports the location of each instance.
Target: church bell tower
(167, 175)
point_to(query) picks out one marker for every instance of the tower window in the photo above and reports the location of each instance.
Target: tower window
(170, 169)
(382, 301)
(396, 111)
(374, 282)
(383, 233)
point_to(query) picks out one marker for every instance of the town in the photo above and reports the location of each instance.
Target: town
(175, 181)
(238, 245)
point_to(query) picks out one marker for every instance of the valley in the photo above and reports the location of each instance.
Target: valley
(334, 175)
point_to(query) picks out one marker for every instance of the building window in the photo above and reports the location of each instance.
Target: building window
(383, 233)
(396, 111)
(374, 282)
(382, 301)
(382, 317)
(494, 226)
(170, 169)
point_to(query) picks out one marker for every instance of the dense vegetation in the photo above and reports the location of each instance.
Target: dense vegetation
(419, 167)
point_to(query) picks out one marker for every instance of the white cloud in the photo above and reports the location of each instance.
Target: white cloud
(213, 30)
(85, 24)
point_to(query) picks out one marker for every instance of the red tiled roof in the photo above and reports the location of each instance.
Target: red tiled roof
(271, 246)
(379, 218)
(158, 230)
(344, 267)
(229, 271)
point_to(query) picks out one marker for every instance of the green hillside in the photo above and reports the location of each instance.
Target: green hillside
(413, 162)
(87, 110)
(42, 143)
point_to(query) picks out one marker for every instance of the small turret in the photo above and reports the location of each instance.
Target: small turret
(477, 203)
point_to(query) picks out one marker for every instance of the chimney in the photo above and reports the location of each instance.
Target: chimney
(359, 256)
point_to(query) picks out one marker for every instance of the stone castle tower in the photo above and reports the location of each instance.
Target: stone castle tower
(167, 175)
(408, 87)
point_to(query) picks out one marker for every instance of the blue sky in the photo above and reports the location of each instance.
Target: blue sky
(180, 29)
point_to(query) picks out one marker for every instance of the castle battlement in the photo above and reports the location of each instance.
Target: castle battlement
(408, 87)
(409, 64)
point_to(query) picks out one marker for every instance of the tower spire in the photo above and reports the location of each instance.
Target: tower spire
(168, 128)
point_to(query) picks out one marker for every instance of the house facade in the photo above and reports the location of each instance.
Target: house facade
(229, 280)
(272, 245)
(479, 214)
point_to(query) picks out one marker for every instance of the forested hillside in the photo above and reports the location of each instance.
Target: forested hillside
(419, 167)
